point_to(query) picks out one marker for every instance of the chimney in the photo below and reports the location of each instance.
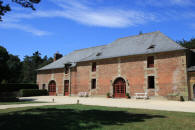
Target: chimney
(57, 56)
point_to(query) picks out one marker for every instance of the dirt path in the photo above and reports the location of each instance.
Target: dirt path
(187, 106)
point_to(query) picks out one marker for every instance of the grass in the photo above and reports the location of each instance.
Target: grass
(82, 117)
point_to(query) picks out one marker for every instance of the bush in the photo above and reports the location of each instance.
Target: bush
(108, 94)
(9, 96)
(10, 87)
(127, 95)
(33, 92)
(9, 99)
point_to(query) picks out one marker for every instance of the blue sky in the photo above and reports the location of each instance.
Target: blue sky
(67, 25)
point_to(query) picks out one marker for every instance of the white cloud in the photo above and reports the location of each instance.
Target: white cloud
(105, 17)
(84, 12)
(80, 12)
(25, 28)
(166, 3)
(182, 2)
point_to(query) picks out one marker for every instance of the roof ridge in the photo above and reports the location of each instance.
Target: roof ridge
(90, 48)
(138, 35)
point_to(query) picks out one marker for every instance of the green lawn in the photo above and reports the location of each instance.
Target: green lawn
(82, 117)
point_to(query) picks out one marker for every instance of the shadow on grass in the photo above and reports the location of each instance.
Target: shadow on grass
(68, 119)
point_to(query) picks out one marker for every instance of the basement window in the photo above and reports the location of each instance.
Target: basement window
(93, 84)
(150, 61)
(93, 66)
(151, 83)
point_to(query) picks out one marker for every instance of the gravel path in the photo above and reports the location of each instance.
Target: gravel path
(187, 106)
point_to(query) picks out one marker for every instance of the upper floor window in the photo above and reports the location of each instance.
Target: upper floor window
(66, 68)
(150, 61)
(93, 66)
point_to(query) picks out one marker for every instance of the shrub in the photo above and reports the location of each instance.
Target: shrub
(8, 96)
(33, 92)
(11, 87)
(127, 95)
(108, 94)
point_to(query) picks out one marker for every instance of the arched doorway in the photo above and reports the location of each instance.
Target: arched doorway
(52, 88)
(194, 90)
(119, 87)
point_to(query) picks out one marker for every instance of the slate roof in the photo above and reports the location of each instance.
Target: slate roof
(140, 44)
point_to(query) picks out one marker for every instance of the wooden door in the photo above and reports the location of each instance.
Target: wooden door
(119, 88)
(52, 88)
(66, 87)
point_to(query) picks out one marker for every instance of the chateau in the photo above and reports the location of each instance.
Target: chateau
(149, 62)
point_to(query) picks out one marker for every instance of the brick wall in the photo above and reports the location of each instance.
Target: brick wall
(169, 71)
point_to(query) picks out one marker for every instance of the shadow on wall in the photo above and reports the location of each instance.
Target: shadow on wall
(62, 119)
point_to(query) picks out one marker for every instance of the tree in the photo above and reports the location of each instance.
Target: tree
(31, 64)
(3, 64)
(14, 69)
(187, 44)
(5, 7)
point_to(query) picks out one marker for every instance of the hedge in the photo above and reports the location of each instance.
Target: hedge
(9, 96)
(33, 92)
(11, 87)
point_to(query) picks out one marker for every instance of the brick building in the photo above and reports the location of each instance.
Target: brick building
(149, 62)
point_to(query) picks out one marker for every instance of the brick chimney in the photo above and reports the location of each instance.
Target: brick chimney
(57, 56)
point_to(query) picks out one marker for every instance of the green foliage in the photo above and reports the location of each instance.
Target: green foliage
(12, 70)
(10, 87)
(4, 8)
(3, 65)
(33, 92)
(188, 44)
(30, 64)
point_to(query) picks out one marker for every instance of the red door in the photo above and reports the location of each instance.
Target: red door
(119, 88)
(52, 88)
(66, 87)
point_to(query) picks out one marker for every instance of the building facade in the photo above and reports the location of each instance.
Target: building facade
(150, 63)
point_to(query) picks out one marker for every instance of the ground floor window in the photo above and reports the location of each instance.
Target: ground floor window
(194, 90)
(43, 86)
(93, 84)
(151, 82)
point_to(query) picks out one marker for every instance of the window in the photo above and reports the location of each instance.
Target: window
(43, 86)
(150, 62)
(66, 69)
(151, 84)
(93, 66)
(93, 84)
